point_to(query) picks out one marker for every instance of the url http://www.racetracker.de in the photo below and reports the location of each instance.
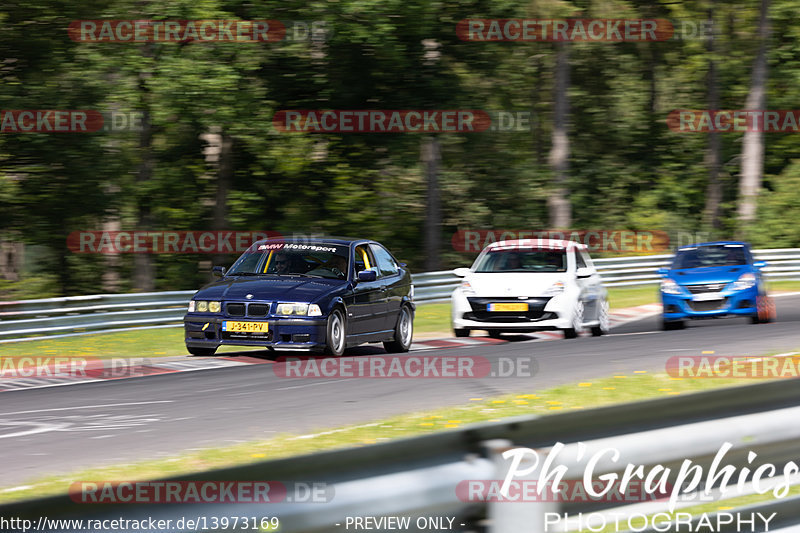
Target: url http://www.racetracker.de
(199, 523)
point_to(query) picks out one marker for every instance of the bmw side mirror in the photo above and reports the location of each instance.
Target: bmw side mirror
(760, 264)
(461, 272)
(367, 275)
(662, 271)
(218, 271)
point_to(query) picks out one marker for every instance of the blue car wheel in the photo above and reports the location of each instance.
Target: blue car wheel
(335, 338)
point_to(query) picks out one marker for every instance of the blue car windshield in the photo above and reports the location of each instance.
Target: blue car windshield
(710, 256)
(316, 260)
(523, 261)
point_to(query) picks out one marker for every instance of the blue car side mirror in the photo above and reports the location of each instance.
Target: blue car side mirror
(367, 275)
(760, 264)
(218, 271)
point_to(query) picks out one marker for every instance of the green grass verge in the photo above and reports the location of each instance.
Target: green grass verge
(787, 285)
(622, 297)
(636, 386)
(432, 318)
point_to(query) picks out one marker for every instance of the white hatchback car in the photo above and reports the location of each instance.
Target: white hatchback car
(530, 285)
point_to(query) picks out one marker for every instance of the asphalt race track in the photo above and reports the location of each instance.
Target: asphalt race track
(59, 429)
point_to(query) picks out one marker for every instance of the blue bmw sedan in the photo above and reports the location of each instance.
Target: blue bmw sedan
(711, 280)
(324, 294)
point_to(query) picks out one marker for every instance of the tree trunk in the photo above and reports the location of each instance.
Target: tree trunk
(752, 165)
(110, 280)
(538, 145)
(711, 213)
(558, 203)
(219, 157)
(431, 156)
(144, 271)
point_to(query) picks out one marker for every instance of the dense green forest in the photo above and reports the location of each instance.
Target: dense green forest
(206, 155)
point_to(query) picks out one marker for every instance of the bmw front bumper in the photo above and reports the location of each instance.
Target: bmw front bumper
(299, 333)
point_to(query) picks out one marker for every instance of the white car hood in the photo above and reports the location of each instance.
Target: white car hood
(513, 283)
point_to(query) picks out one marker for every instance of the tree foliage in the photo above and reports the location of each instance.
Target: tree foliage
(626, 169)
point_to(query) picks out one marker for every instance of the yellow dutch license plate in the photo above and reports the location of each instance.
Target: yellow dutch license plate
(500, 307)
(245, 327)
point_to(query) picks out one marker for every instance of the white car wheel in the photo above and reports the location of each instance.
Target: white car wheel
(577, 322)
(604, 321)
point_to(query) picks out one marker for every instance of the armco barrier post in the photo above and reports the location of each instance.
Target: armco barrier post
(517, 516)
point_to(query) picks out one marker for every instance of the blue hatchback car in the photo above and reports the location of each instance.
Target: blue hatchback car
(309, 295)
(712, 280)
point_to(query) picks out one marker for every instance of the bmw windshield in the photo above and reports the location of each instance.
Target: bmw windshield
(290, 259)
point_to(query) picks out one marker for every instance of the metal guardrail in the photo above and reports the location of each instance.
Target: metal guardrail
(419, 476)
(86, 314)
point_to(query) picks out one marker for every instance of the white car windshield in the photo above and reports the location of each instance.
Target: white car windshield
(532, 260)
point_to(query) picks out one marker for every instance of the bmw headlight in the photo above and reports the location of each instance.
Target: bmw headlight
(298, 309)
(203, 306)
(555, 288)
(668, 286)
(745, 281)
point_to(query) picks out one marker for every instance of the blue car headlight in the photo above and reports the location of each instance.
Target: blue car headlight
(668, 286)
(204, 306)
(298, 309)
(745, 281)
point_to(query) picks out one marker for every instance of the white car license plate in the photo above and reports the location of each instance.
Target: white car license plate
(707, 297)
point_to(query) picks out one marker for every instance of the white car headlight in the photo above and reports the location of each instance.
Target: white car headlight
(668, 286)
(555, 288)
(293, 309)
(466, 287)
(745, 281)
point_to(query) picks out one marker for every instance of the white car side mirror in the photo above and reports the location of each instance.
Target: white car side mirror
(583, 272)
(461, 272)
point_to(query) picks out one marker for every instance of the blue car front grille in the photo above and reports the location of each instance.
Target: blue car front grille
(710, 305)
(255, 310)
(705, 287)
(235, 309)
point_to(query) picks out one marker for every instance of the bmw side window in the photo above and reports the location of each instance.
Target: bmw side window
(365, 260)
(386, 264)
